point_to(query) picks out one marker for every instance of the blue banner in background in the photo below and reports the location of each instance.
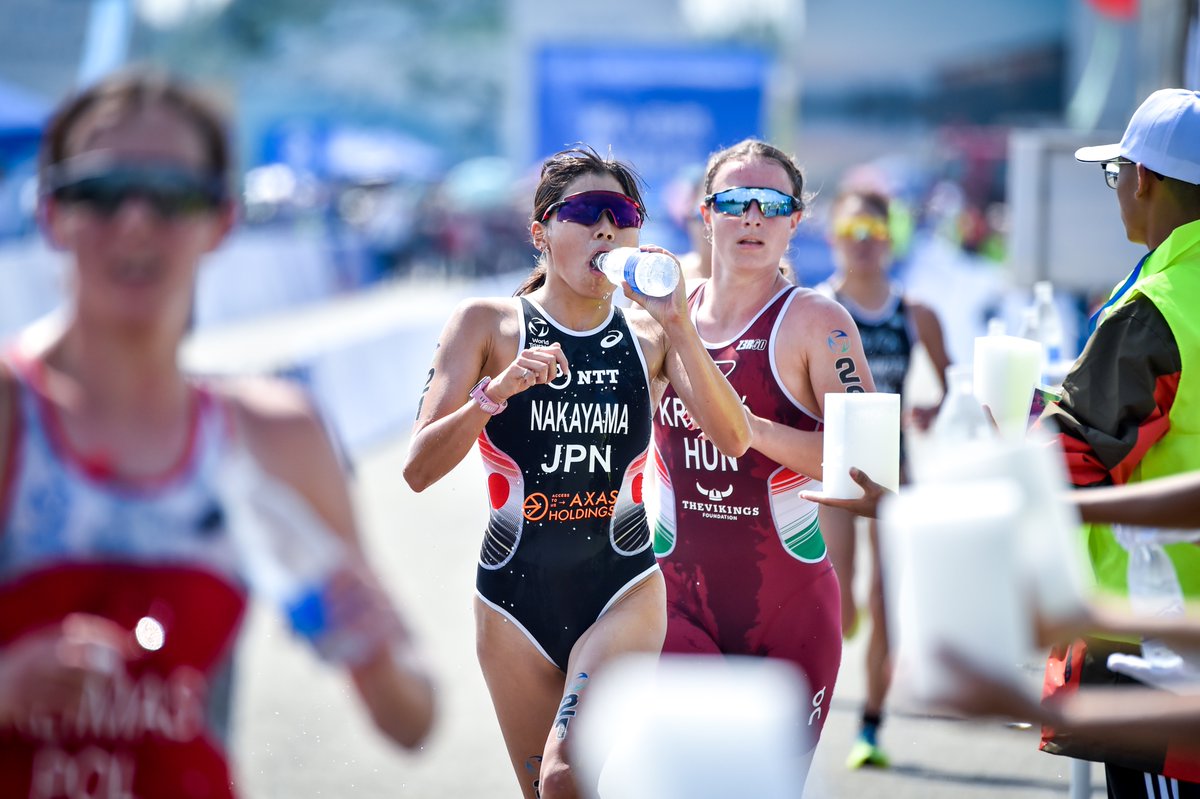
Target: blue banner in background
(662, 109)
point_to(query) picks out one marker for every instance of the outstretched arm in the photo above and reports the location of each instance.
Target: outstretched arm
(826, 357)
(283, 434)
(1133, 717)
(711, 402)
(1166, 502)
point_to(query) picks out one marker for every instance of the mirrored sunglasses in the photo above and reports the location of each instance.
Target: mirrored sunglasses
(170, 192)
(586, 207)
(861, 228)
(736, 202)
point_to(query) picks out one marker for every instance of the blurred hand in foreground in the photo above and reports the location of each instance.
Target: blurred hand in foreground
(49, 671)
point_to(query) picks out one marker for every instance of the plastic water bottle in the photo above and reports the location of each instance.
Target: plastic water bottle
(1043, 324)
(1050, 326)
(961, 417)
(1154, 588)
(1029, 327)
(289, 556)
(654, 274)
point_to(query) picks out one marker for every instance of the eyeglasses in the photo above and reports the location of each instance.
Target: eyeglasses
(586, 207)
(171, 192)
(736, 202)
(1112, 170)
(861, 228)
(1110, 175)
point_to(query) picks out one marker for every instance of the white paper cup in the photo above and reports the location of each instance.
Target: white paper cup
(695, 727)
(860, 430)
(1054, 563)
(952, 575)
(1007, 369)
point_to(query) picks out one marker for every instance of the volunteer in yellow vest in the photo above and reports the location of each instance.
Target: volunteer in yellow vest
(1130, 408)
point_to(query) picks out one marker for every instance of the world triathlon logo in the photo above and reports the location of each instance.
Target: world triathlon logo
(839, 342)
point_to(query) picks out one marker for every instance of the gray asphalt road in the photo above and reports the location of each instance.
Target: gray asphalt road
(300, 733)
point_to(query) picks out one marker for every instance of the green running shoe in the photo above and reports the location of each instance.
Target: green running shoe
(852, 630)
(865, 753)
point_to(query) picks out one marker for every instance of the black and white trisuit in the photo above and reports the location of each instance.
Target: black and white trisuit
(567, 535)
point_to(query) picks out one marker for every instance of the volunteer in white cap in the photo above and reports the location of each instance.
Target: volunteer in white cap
(1130, 409)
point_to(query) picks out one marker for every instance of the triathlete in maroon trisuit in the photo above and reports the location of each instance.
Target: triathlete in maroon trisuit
(773, 593)
(742, 554)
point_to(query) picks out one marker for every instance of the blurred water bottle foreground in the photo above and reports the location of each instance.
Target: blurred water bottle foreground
(654, 274)
(292, 559)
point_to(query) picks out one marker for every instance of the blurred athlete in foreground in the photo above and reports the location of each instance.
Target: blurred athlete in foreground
(121, 589)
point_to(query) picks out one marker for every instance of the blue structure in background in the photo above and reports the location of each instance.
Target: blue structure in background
(22, 115)
(661, 108)
(21, 118)
(331, 149)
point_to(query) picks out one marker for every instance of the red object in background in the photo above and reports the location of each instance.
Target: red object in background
(1118, 9)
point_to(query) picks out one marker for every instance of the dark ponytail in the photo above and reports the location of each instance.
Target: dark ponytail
(534, 280)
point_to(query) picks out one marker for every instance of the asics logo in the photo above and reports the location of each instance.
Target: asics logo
(560, 380)
(612, 339)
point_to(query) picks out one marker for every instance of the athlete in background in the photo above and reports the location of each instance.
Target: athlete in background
(743, 556)
(890, 326)
(557, 387)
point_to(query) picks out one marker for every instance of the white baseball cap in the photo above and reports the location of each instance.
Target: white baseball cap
(1163, 135)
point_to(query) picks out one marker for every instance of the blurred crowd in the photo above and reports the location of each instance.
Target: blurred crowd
(470, 220)
(948, 222)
